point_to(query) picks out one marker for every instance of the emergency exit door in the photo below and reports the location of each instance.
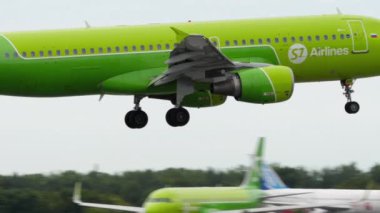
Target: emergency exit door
(359, 36)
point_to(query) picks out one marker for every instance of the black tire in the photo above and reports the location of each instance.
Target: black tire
(136, 119)
(177, 117)
(129, 119)
(352, 107)
(140, 119)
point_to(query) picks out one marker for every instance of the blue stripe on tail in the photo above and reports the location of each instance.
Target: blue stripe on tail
(270, 179)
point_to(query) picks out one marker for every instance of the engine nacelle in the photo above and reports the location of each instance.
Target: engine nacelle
(259, 85)
(203, 99)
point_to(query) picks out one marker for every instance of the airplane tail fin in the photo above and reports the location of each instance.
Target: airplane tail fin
(270, 179)
(254, 174)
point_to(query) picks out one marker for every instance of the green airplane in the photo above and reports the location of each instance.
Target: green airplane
(248, 196)
(192, 64)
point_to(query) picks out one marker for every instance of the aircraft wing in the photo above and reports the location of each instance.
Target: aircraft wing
(197, 59)
(77, 200)
(288, 208)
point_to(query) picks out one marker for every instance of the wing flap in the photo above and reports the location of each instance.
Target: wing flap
(194, 57)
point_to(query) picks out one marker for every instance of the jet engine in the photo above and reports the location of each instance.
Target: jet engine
(265, 85)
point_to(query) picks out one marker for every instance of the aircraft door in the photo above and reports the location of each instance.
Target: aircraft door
(359, 37)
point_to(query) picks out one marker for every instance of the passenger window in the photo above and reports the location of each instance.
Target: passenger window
(125, 48)
(159, 47)
(244, 42)
(109, 50)
(309, 38)
(58, 52)
(24, 54)
(100, 50)
(260, 41)
(33, 54)
(92, 50)
(236, 43)
(326, 37)
(318, 38)
(342, 36)
(269, 40)
(41, 53)
(117, 48)
(50, 53)
(334, 37)
(67, 52)
(134, 48)
(348, 36)
(252, 42)
(293, 39)
(167, 46)
(301, 38)
(15, 54)
(227, 43)
(83, 51)
(150, 47)
(276, 40)
(75, 52)
(7, 56)
(285, 40)
(142, 47)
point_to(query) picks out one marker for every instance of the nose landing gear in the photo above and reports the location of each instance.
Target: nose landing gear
(351, 107)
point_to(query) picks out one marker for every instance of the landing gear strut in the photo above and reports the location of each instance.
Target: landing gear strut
(179, 116)
(136, 119)
(351, 107)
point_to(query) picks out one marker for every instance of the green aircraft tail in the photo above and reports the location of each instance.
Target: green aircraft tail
(254, 174)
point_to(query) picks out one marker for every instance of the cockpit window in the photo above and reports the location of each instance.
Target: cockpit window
(159, 200)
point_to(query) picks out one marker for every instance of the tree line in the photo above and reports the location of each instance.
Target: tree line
(53, 193)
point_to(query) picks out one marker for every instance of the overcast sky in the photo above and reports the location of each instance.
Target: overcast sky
(76, 133)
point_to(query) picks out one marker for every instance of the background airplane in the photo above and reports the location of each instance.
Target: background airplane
(205, 199)
(192, 64)
(347, 200)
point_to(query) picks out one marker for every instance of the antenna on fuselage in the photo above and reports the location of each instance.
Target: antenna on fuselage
(339, 11)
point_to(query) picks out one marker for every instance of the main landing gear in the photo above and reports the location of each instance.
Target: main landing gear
(138, 119)
(177, 117)
(351, 107)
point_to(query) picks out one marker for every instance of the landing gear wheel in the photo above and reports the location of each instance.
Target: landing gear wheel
(352, 107)
(136, 119)
(177, 117)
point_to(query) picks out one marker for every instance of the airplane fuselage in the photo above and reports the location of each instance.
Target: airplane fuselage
(75, 62)
(201, 199)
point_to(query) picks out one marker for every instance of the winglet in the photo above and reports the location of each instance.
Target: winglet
(77, 193)
(254, 174)
(180, 34)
